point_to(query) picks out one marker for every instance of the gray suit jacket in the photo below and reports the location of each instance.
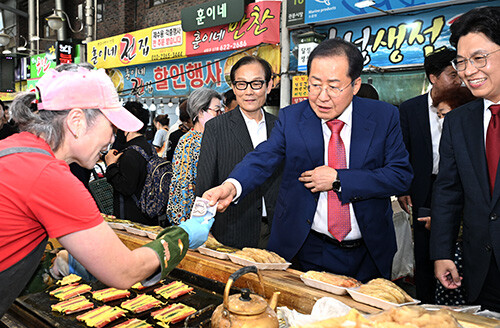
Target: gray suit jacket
(225, 142)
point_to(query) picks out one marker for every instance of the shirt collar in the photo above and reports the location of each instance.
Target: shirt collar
(345, 117)
(248, 120)
(429, 101)
(488, 103)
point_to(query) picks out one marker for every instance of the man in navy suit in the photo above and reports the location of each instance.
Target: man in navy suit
(318, 198)
(421, 134)
(468, 184)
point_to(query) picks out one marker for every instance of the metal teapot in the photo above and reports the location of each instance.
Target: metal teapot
(245, 310)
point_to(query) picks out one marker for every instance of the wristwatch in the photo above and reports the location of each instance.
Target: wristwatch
(336, 185)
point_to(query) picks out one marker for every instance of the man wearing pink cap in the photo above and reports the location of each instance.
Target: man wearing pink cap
(78, 109)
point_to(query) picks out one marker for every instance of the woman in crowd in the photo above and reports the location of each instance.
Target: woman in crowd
(160, 140)
(203, 104)
(184, 126)
(41, 198)
(127, 169)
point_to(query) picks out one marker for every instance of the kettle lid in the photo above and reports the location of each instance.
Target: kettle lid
(246, 303)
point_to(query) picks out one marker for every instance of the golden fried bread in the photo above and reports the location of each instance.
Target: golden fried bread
(259, 255)
(390, 284)
(333, 279)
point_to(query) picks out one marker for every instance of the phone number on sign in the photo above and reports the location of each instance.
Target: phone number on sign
(225, 47)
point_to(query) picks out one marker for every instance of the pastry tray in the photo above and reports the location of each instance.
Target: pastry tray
(337, 290)
(376, 302)
(261, 266)
(213, 253)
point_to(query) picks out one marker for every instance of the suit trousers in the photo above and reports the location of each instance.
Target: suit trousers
(320, 255)
(489, 298)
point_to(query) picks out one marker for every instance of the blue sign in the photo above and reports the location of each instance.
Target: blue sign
(323, 10)
(175, 77)
(399, 39)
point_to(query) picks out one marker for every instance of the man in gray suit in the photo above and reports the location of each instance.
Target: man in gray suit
(226, 140)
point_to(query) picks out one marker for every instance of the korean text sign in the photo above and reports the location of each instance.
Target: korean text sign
(162, 42)
(260, 24)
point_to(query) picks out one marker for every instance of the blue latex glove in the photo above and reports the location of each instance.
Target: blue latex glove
(198, 232)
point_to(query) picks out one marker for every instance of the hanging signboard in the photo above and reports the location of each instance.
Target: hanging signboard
(158, 43)
(261, 24)
(324, 10)
(398, 39)
(299, 88)
(65, 52)
(179, 77)
(40, 64)
(212, 13)
(295, 12)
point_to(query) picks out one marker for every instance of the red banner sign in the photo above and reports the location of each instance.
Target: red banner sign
(261, 24)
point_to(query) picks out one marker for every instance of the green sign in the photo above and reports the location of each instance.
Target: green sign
(295, 12)
(40, 64)
(213, 13)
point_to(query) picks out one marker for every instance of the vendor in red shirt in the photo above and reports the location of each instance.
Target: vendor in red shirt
(77, 111)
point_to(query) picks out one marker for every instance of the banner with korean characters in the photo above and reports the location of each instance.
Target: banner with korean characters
(324, 10)
(261, 24)
(299, 88)
(401, 40)
(39, 64)
(158, 43)
(180, 77)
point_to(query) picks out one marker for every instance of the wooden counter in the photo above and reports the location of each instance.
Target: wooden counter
(294, 293)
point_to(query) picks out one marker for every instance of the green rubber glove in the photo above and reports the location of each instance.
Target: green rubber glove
(171, 245)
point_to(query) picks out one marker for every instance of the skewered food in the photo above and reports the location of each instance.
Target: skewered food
(141, 303)
(75, 304)
(110, 294)
(259, 255)
(134, 323)
(101, 316)
(173, 290)
(385, 290)
(333, 279)
(69, 291)
(69, 279)
(173, 313)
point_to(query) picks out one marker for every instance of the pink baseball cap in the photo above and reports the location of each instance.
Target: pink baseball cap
(84, 89)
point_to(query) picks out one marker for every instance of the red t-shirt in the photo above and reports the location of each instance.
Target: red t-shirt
(39, 196)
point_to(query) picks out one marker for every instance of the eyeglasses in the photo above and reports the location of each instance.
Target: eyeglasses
(333, 92)
(243, 85)
(218, 111)
(478, 61)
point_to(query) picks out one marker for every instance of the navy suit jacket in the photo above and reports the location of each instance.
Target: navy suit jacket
(379, 168)
(415, 126)
(462, 188)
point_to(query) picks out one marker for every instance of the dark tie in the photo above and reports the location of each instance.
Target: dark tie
(339, 218)
(493, 144)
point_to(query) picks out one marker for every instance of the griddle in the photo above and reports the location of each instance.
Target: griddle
(34, 310)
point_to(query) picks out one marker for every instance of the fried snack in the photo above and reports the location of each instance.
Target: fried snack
(154, 229)
(75, 304)
(69, 291)
(417, 317)
(212, 243)
(332, 279)
(173, 313)
(385, 282)
(173, 290)
(141, 303)
(69, 279)
(134, 323)
(138, 286)
(351, 319)
(101, 316)
(226, 249)
(110, 294)
(259, 255)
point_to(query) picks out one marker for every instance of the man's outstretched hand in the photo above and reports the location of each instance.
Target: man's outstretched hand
(224, 194)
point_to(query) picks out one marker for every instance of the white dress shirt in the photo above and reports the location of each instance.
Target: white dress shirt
(436, 128)
(258, 134)
(320, 222)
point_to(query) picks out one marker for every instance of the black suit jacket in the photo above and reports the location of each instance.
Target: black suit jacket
(415, 126)
(225, 142)
(462, 187)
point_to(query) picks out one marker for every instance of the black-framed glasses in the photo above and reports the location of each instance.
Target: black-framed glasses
(243, 85)
(478, 61)
(333, 92)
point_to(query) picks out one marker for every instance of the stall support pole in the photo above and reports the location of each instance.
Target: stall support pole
(285, 59)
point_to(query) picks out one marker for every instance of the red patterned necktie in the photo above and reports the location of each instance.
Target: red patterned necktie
(339, 218)
(493, 144)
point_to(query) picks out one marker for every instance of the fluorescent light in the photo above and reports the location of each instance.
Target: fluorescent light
(364, 3)
(6, 52)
